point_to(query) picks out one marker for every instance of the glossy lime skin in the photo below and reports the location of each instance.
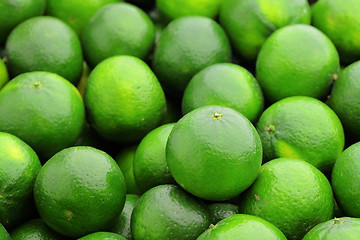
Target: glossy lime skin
(35, 229)
(303, 128)
(219, 211)
(186, 46)
(44, 110)
(118, 29)
(167, 212)
(4, 235)
(242, 226)
(103, 236)
(150, 166)
(340, 20)
(80, 190)
(284, 69)
(338, 229)
(15, 12)
(4, 76)
(214, 158)
(345, 180)
(19, 166)
(45, 44)
(291, 194)
(122, 222)
(225, 84)
(345, 100)
(124, 99)
(249, 23)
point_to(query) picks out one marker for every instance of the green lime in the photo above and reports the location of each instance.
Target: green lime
(219, 211)
(19, 166)
(168, 212)
(124, 99)
(45, 44)
(15, 12)
(186, 46)
(242, 226)
(297, 60)
(103, 236)
(35, 229)
(225, 84)
(214, 153)
(122, 222)
(303, 128)
(118, 29)
(4, 235)
(150, 166)
(4, 77)
(125, 159)
(249, 23)
(291, 194)
(44, 110)
(340, 20)
(80, 190)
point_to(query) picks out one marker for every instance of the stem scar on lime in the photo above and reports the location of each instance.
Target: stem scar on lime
(216, 115)
(271, 128)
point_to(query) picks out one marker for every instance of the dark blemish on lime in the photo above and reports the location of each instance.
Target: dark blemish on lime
(271, 128)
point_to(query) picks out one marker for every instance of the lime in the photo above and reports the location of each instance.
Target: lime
(219, 211)
(124, 99)
(103, 236)
(3, 74)
(225, 84)
(45, 44)
(303, 128)
(214, 153)
(4, 235)
(291, 194)
(168, 212)
(80, 190)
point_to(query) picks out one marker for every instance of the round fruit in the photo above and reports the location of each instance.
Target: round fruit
(13, 13)
(80, 190)
(214, 153)
(225, 84)
(242, 226)
(103, 236)
(122, 222)
(45, 44)
(19, 166)
(345, 100)
(4, 77)
(346, 180)
(44, 110)
(284, 69)
(303, 128)
(291, 194)
(4, 235)
(35, 229)
(150, 166)
(336, 229)
(340, 20)
(219, 211)
(186, 46)
(118, 29)
(168, 212)
(250, 22)
(124, 99)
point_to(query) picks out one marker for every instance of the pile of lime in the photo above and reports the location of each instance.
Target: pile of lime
(180, 120)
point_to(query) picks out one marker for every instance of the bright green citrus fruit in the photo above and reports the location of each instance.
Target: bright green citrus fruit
(118, 29)
(124, 99)
(125, 160)
(345, 99)
(346, 180)
(80, 190)
(219, 211)
(186, 46)
(225, 84)
(19, 166)
(150, 166)
(4, 235)
(291, 194)
(167, 212)
(122, 222)
(214, 153)
(340, 20)
(75, 13)
(242, 226)
(45, 44)
(297, 60)
(103, 236)
(15, 12)
(303, 128)
(249, 23)
(4, 77)
(44, 110)
(35, 229)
